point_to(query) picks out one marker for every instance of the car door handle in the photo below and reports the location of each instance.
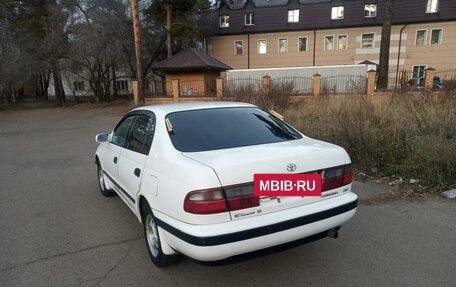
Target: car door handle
(115, 160)
(137, 172)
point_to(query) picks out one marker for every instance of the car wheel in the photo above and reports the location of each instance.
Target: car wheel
(101, 182)
(153, 242)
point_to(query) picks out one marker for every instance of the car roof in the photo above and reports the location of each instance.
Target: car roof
(177, 107)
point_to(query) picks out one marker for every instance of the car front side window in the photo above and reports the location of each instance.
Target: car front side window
(141, 134)
(119, 137)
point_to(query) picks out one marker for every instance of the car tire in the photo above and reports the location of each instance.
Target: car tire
(152, 238)
(101, 182)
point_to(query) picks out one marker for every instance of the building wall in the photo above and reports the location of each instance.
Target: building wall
(437, 56)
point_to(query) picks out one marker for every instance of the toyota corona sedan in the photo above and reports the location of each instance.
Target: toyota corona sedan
(187, 170)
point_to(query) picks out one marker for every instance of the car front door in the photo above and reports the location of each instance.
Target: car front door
(110, 159)
(133, 156)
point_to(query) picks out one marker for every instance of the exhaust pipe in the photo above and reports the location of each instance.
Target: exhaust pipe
(333, 233)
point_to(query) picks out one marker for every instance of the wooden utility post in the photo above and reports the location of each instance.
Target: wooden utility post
(382, 81)
(169, 23)
(138, 51)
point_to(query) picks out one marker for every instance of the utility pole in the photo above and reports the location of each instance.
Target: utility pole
(169, 23)
(382, 79)
(138, 51)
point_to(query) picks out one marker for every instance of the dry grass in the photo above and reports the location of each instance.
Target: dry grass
(412, 136)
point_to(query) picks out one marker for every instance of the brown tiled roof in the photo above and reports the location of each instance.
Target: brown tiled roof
(191, 59)
(239, 4)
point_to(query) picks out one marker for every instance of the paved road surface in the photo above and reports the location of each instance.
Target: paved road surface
(57, 230)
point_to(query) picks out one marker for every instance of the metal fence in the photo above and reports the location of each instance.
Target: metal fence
(350, 84)
(293, 85)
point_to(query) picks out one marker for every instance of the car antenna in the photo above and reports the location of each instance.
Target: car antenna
(277, 115)
(169, 126)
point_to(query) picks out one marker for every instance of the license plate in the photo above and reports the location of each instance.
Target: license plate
(273, 184)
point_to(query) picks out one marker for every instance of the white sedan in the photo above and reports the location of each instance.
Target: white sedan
(187, 170)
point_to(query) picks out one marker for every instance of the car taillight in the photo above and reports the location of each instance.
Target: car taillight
(220, 200)
(241, 196)
(336, 177)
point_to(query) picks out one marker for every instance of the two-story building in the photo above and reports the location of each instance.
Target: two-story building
(253, 34)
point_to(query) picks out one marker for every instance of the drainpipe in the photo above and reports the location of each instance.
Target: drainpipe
(399, 53)
(248, 51)
(315, 45)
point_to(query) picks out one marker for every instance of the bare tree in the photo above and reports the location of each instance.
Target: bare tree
(382, 77)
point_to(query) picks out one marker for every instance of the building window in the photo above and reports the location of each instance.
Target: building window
(342, 42)
(436, 36)
(249, 20)
(329, 43)
(418, 71)
(283, 45)
(370, 10)
(337, 13)
(122, 85)
(302, 44)
(293, 16)
(262, 46)
(238, 48)
(420, 37)
(432, 6)
(224, 20)
(367, 40)
(78, 86)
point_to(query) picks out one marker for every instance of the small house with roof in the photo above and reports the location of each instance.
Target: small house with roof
(195, 71)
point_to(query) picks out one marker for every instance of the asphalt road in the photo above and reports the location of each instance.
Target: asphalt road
(57, 230)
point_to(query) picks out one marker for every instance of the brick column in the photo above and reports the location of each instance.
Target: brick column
(266, 85)
(371, 76)
(429, 74)
(316, 84)
(176, 92)
(219, 88)
(153, 87)
(134, 87)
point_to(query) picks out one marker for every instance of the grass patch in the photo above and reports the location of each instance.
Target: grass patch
(411, 136)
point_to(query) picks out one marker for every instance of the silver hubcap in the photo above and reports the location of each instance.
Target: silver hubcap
(152, 235)
(101, 178)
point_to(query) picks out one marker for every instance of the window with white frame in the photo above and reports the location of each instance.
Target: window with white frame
(262, 46)
(337, 12)
(367, 40)
(249, 18)
(283, 45)
(436, 36)
(224, 20)
(78, 85)
(418, 71)
(329, 43)
(302, 44)
(370, 10)
(293, 16)
(432, 6)
(420, 37)
(342, 42)
(122, 85)
(238, 48)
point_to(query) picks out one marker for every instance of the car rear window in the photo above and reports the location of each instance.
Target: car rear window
(221, 128)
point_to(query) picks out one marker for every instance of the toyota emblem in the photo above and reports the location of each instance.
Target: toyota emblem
(291, 167)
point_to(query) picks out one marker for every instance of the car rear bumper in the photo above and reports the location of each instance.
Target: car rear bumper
(218, 242)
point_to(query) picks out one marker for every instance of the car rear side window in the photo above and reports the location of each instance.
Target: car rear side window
(221, 128)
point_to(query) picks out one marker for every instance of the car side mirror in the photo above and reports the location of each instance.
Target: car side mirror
(103, 137)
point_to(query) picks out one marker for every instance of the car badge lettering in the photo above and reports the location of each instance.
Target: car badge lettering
(291, 167)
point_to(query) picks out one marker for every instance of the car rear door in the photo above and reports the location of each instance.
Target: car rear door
(134, 155)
